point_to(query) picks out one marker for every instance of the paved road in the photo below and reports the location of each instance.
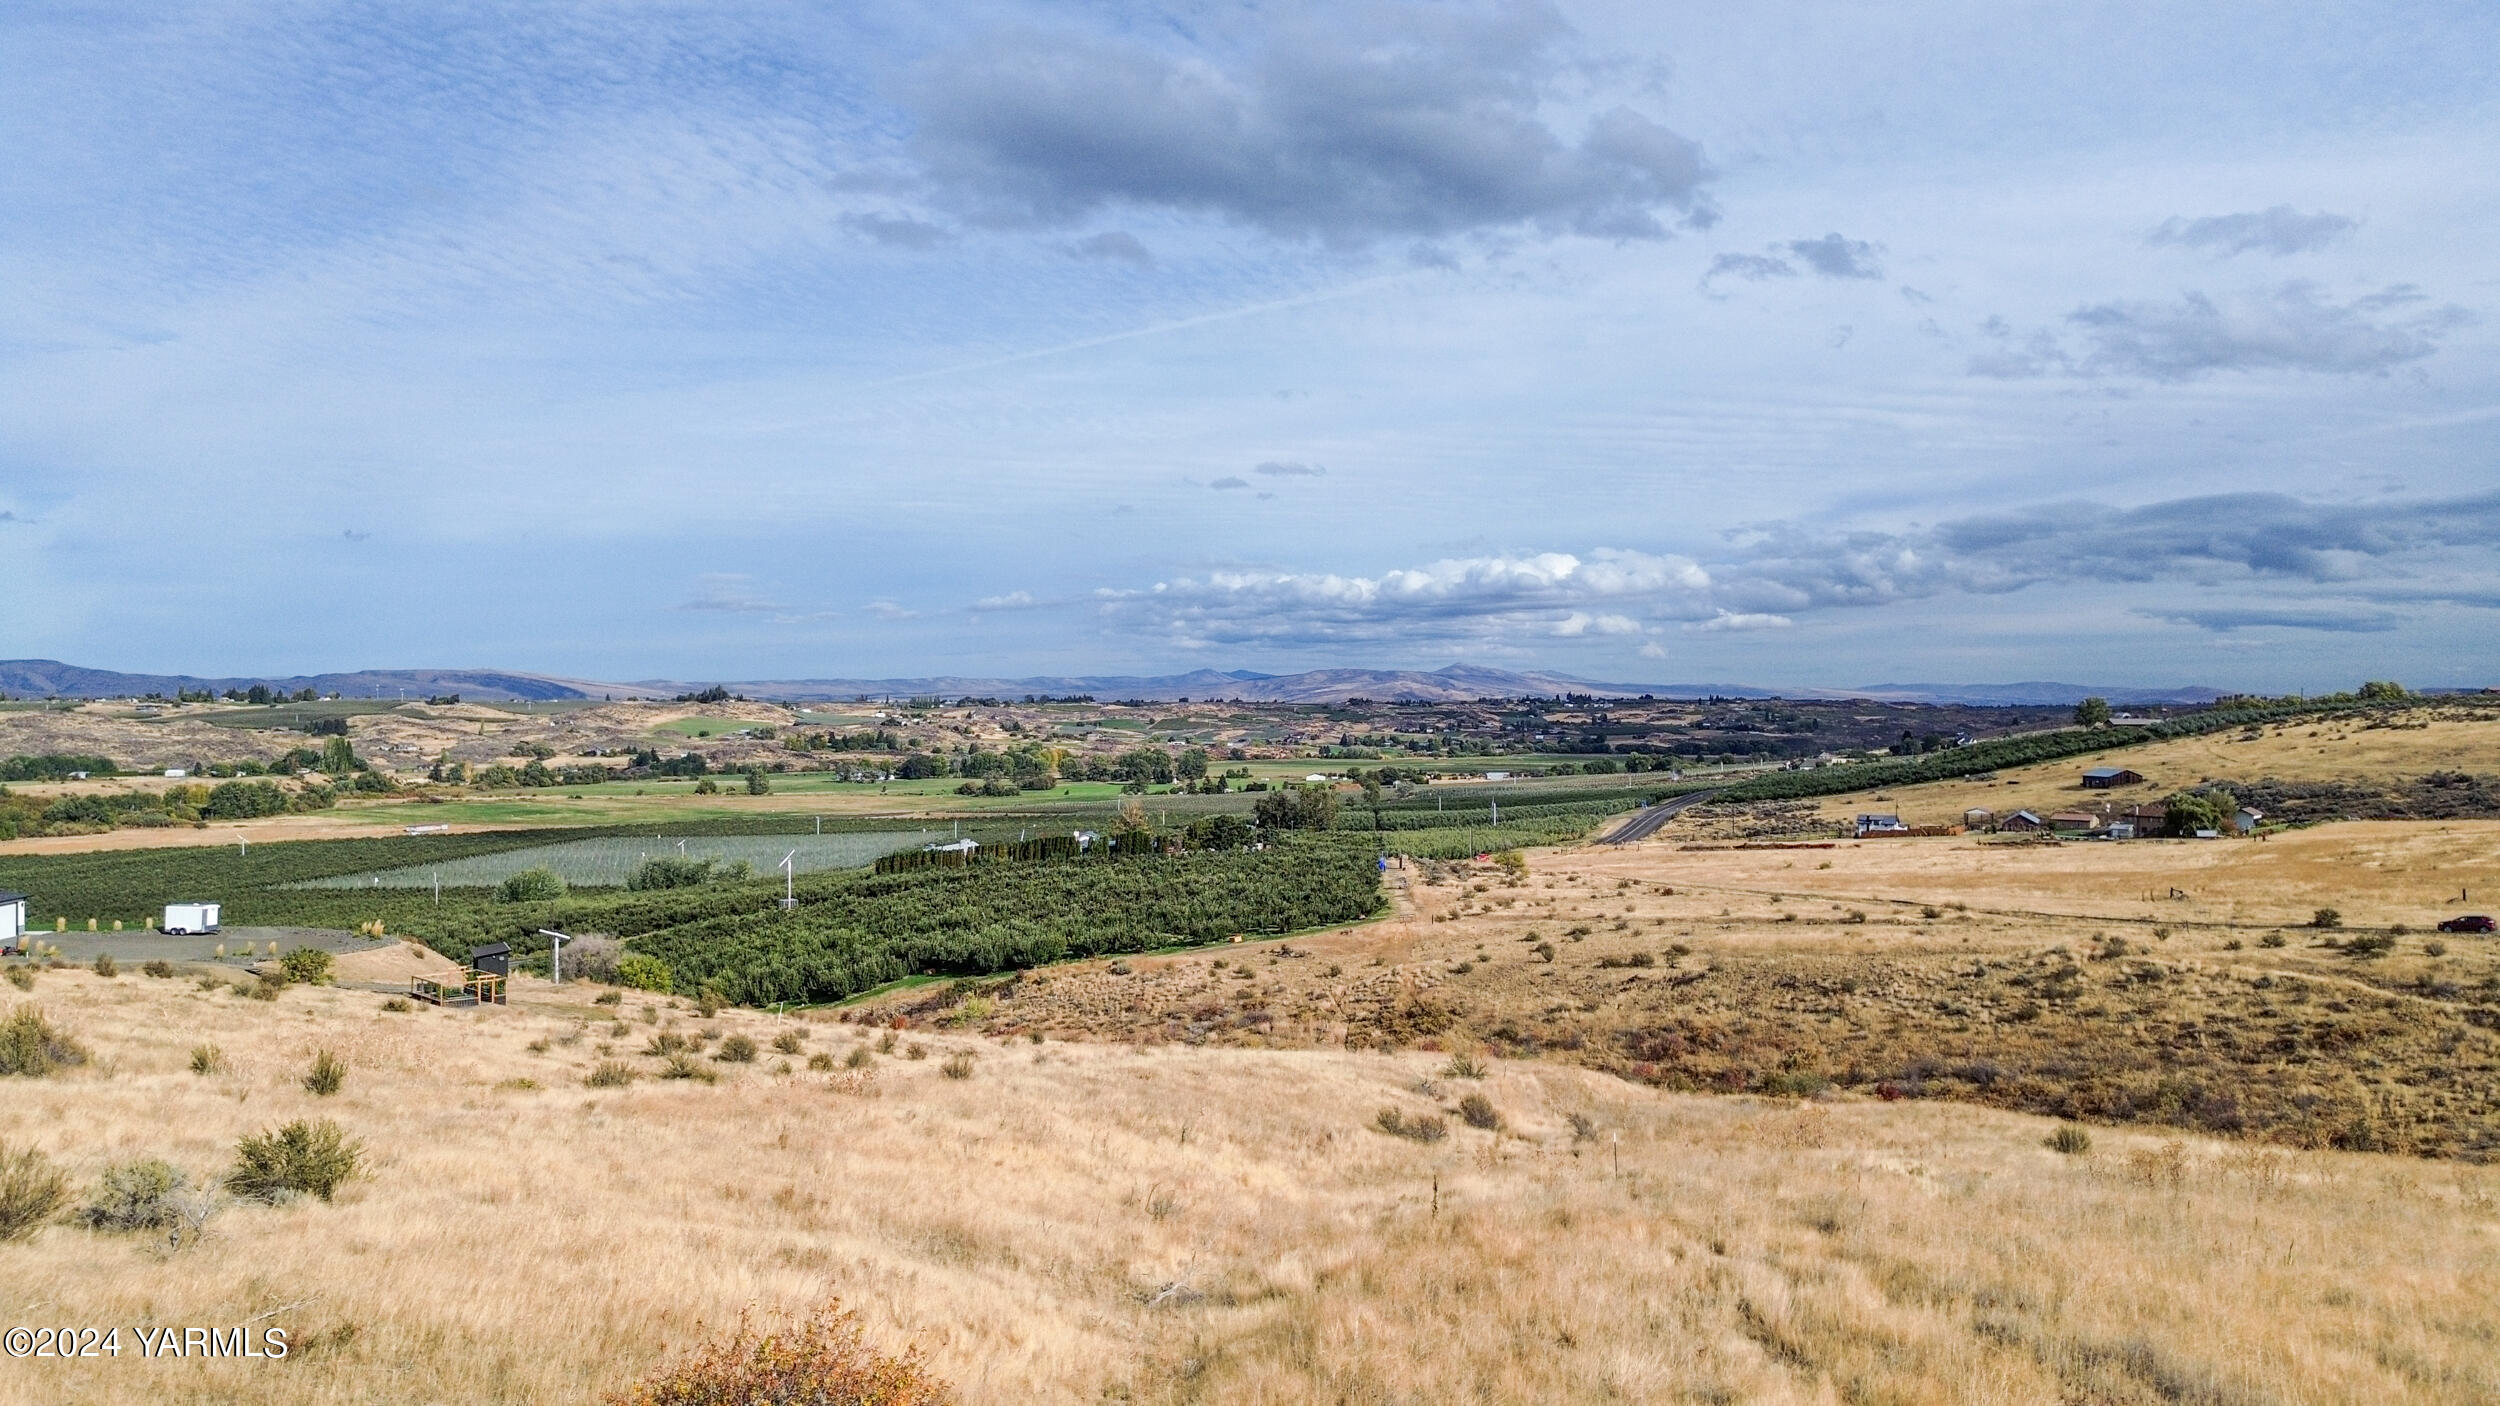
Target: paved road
(1645, 823)
(132, 947)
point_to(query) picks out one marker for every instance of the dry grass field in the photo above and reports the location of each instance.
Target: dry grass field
(2054, 979)
(1162, 1223)
(2349, 750)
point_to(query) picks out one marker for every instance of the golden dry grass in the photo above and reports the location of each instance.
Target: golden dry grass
(2049, 979)
(2373, 872)
(1089, 1223)
(2346, 750)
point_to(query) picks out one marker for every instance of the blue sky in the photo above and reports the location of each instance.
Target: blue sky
(1811, 344)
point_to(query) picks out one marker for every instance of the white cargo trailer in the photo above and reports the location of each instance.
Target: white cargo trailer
(12, 921)
(189, 918)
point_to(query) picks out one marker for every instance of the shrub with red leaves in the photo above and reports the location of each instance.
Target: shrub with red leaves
(821, 1360)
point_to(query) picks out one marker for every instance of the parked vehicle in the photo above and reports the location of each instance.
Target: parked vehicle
(2471, 922)
(189, 919)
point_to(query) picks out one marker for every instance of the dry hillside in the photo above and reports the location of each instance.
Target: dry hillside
(1091, 1223)
(2363, 752)
(2062, 979)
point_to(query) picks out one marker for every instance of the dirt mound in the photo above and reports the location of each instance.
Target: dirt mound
(394, 965)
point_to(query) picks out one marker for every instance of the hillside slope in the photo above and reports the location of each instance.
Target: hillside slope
(1082, 1224)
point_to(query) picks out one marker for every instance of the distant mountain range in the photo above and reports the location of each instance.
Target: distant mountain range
(49, 678)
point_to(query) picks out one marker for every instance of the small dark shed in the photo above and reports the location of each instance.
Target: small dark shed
(495, 958)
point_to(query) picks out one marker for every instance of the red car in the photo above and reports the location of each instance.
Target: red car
(2471, 922)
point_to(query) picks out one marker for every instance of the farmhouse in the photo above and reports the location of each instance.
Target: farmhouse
(2073, 820)
(1880, 825)
(2022, 821)
(2101, 778)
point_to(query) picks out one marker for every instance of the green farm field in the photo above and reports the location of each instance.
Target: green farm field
(610, 860)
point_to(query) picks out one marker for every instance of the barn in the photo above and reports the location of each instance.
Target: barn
(2101, 778)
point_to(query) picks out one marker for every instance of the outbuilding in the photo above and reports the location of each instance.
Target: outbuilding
(12, 919)
(2102, 778)
(2248, 819)
(1978, 818)
(2021, 821)
(2073, 820)
(494, 959)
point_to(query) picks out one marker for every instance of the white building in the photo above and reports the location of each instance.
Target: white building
(12, 918)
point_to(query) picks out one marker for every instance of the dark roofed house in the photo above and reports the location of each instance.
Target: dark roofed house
(2022, 820)
(2101, 778)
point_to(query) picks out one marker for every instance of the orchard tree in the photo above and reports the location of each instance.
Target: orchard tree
(338, 756)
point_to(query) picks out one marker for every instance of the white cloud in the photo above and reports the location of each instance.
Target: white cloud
(1728, 620)
(1579, 623)
(1547, 594)
(2395, 552)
